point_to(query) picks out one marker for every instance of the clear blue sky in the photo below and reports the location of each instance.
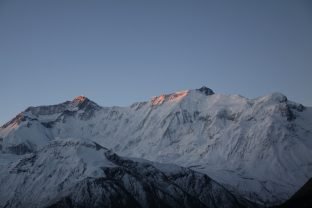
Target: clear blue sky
(120, 52)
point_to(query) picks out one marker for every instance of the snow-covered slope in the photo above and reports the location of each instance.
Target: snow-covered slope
(261, 148)
(81, 173)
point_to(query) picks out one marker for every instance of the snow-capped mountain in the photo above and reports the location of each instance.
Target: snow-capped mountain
(260, 148)
(80, 173)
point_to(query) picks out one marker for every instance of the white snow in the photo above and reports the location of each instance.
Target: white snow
(246, 144)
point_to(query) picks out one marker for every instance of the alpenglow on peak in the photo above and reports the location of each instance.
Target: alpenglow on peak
(80, 98)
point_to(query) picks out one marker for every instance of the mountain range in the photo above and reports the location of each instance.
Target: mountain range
(193, 148)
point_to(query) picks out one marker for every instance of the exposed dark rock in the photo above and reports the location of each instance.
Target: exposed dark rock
(47, 124)
(302, 198)
(287, 112)
(206, 90)
(19, 149)
(297, 107)
(47, 110)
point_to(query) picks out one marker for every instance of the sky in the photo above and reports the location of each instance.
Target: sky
(118, 52)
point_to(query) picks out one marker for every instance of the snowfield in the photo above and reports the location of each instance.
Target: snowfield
(81, 173)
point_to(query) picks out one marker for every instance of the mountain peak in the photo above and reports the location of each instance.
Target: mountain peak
(80, 99)
(82, 102)
(206, 90)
